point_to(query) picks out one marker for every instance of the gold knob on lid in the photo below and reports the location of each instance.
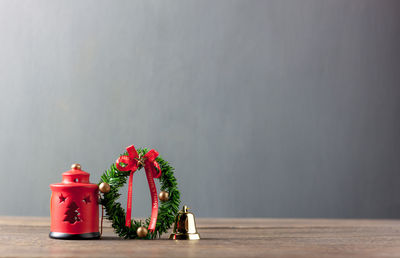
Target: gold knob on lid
(76, 166)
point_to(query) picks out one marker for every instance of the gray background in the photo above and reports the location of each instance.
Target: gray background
(265, 108)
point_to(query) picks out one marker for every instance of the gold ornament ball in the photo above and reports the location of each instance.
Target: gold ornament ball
(141, 232)
(104, 187)
(163, 196)
(76, 166)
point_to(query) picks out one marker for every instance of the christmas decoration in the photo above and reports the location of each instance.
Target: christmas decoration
(155, 167)
(185, 226)
(104, 187)
(163, 196)
(74, 208)
(141, 231)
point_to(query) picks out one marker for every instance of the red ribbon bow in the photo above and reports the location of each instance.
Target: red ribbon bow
(132, 162)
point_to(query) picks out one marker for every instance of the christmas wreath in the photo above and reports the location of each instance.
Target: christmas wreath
(114, 178)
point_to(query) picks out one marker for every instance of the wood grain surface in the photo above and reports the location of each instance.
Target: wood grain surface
(28, 237)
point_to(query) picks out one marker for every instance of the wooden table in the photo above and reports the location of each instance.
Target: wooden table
(28, 236)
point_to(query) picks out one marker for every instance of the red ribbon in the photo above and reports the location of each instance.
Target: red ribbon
(132, 162)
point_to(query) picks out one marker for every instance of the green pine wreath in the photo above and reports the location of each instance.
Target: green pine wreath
(116, 214)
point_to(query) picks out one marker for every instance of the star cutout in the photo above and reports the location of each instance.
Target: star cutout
(86, 199)
(62, 198)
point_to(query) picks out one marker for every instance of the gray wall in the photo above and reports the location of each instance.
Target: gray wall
(265, 108)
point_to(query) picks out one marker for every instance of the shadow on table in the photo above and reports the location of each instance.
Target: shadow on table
(160, 239)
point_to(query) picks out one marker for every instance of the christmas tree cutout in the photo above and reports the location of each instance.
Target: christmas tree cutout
(72, 214)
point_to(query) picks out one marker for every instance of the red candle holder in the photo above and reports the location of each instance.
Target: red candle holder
(74, 206)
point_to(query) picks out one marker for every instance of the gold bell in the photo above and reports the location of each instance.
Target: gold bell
(185, 226)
